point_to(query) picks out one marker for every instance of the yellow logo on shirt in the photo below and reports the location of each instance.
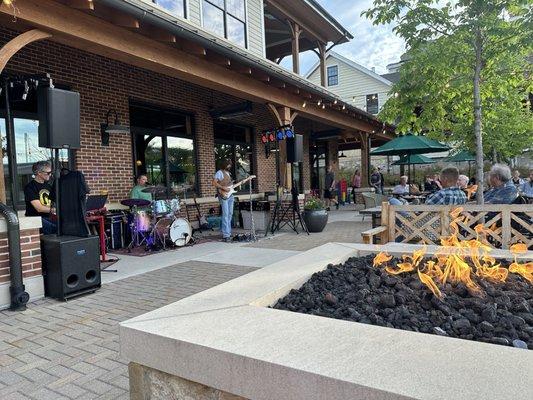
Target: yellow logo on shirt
(44, 197)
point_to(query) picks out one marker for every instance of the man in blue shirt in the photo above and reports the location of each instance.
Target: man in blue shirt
(450, 192)
(527, 186)
(502, 191)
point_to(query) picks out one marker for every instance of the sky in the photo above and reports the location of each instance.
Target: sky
(372, 46)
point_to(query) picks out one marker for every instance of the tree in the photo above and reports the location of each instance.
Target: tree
(466, 74)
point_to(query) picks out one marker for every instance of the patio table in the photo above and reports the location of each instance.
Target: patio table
(375, 213)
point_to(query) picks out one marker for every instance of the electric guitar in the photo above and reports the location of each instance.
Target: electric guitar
(230, 190)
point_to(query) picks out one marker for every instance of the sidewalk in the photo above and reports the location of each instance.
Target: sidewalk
(69, 350)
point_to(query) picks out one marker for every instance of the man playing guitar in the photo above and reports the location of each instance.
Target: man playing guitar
(225, 188)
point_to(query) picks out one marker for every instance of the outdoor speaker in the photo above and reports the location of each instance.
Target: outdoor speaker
(71, 265)
(59, 118)
(295, 149)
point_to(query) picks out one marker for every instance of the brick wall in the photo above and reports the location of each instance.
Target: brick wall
(31, 254)
(106, 84)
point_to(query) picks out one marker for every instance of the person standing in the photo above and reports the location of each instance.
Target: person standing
(222, 181)
(375, 180)
(330, 188)
(382, 177)
(37, 196)
(356, 183)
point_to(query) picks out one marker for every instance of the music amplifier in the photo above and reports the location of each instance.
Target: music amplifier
(71, 265)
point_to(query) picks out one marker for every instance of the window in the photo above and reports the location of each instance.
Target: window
(333, 75)
(24, 144)
(176, 7)
(226, 18)
(372, 103)
(164, 147)
(233, 142)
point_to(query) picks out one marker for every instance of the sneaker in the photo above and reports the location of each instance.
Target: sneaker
(337, 206)
(328, 209)
(227, 240)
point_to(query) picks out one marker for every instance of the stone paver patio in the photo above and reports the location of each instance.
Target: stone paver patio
(69, 350)
(58, 350)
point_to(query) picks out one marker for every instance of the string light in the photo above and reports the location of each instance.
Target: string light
(319, 102)
(304, 104)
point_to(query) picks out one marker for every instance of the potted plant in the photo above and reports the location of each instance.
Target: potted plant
(315, 215)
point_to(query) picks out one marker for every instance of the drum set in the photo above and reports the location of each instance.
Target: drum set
(156, 224)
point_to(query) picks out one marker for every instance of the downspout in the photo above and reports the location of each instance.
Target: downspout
(19, 296)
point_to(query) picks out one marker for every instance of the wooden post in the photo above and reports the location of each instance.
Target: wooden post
(6, 52)
(506, 228)
(322, 56)
(365, 160)
(296, 32)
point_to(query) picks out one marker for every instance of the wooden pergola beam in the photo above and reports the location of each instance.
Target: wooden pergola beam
(81, 4)
(6, 52)
(125, 21)
(89, 33)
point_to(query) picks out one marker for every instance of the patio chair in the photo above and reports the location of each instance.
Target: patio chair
(370, 200)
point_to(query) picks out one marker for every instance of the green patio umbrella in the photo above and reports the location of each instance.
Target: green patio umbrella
(414, 159)
(409, 144)
(463, 156)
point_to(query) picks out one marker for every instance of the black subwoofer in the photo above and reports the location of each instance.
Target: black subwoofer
(71, 265)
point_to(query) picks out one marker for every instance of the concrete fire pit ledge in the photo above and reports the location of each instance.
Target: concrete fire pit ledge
(224, 343)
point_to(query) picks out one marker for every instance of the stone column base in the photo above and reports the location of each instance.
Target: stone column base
(148, 383)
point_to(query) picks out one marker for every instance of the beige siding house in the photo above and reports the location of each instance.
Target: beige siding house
(193, 11)
(353, 83)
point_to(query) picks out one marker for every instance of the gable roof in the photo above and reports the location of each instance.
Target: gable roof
(352, 64)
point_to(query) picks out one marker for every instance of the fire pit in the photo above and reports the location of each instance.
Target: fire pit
(462, 291)
(227, 342)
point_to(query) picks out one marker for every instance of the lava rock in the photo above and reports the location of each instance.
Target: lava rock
(387, 300)
(330, 299)
(499, 340)
(461, 324)
(439, 331)
(486, 326)
(489, 314)
(520, 344)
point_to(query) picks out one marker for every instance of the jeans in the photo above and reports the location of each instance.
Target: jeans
(49, 227)
(227, 216)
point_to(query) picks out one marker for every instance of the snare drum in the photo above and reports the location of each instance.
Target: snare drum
(143, 221)
(161, 207)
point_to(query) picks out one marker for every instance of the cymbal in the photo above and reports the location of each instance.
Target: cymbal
(182, 188)
(154, 189)
(135, 203)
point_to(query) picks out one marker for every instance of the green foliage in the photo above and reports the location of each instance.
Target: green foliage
(436, 86)
(314, 204)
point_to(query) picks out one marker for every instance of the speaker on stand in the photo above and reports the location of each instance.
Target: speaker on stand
(71, 264)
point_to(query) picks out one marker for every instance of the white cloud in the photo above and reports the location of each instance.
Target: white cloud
(372, 46)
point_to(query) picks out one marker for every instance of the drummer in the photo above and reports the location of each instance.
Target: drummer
(137, 191)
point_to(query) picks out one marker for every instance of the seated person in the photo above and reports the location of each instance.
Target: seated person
(527, 187)
(462, 182)
(431, 185)
(37, 196)
(502, 191)
(137, 191)
(450, 193)
(403, 187)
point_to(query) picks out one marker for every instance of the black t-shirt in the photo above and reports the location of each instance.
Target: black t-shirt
(37, 191)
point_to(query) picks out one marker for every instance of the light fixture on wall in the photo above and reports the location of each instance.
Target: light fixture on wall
(342, 155)
(106, 128)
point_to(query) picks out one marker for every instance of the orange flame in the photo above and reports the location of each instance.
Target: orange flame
(381, 259)
(451, 265)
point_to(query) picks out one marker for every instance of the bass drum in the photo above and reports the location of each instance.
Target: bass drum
(178, 231)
